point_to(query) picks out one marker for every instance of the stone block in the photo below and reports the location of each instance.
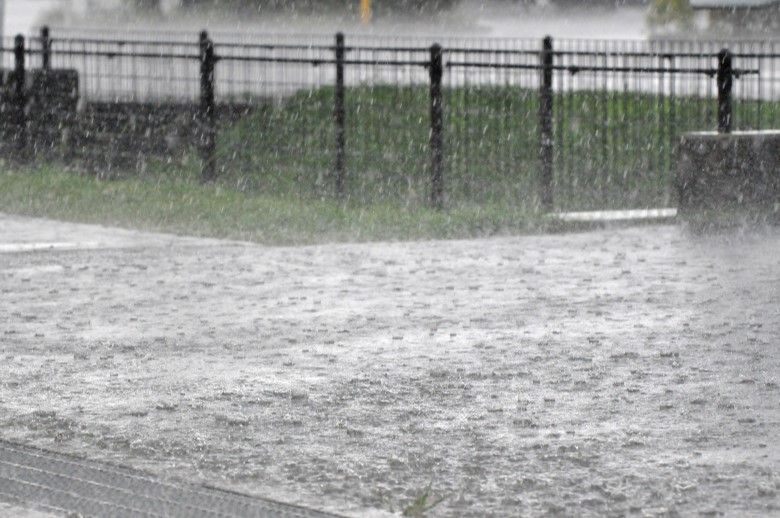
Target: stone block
(735, 172)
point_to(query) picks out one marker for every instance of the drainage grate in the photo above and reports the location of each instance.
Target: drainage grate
(61, 483)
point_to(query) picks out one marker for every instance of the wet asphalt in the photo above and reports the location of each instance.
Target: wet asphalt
(618, 372)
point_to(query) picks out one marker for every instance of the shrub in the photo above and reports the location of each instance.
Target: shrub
(671, 13)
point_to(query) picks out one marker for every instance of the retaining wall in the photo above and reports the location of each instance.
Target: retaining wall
(726, 172)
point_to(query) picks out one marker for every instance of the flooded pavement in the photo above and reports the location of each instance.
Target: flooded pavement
(614, 372)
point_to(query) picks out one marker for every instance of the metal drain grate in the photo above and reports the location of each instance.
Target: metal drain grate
(57, 482)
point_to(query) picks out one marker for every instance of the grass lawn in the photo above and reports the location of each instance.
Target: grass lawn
(182, 205)
(612, 149)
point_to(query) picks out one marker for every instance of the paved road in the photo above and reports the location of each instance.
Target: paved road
(60, 483)
(628, 371)
(36, 482)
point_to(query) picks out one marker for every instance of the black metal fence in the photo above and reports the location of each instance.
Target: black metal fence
(568, 124)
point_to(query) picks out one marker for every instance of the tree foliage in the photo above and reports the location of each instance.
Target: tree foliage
(671, 13)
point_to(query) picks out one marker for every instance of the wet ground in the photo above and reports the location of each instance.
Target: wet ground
(607, 373)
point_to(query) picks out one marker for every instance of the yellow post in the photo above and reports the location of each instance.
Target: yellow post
(365, 11)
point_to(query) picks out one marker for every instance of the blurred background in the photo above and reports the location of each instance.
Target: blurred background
(496, 18)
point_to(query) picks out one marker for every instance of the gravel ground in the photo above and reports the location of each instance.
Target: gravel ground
(606, 373)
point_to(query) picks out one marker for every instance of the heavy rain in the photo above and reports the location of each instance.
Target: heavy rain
(389, 258)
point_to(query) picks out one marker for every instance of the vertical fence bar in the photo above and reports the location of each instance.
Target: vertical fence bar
(546, 123)
(19, 98)
(760, 108)
(725, 81)
(207, 112)
(45, 48)
(339, 118)
(673, 132)
(44, 123)
(437, 128)
(564, 145)
(661, 166)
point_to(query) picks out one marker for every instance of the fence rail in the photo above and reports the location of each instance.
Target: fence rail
(567, 125)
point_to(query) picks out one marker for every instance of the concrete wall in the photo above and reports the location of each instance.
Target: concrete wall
(115, 137)
(738, 171)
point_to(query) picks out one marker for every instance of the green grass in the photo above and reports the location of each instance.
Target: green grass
(420, 506)
(288, 147)
(613, 149)
(181, 205)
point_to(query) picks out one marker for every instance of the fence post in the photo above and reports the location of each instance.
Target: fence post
(725, 81)
(546, 124)
(437, 128)
(207, 112)
(45, 48)
(339, 118)
(19, 98)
